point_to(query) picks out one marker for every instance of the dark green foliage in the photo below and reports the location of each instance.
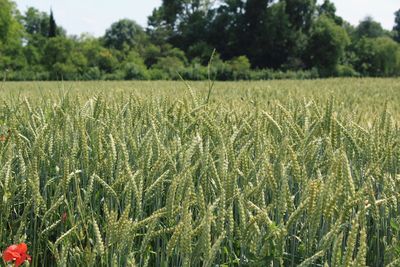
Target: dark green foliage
(170, 10)
(36, 22)
(255, 29)
(369, 28)
(327, 46)
(52, 26)
(281, 46)
(378, 57)
(9, 27)
(254, 39)
(124, 35)
(134, 68)
(301, 13)
(11, 33)
(396, 27)
(328, 9)
(226, 27)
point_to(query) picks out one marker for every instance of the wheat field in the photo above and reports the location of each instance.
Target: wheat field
(274, 173)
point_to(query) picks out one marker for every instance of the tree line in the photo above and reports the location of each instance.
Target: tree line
(254, 39)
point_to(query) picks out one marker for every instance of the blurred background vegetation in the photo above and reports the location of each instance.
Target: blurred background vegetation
(254, 40)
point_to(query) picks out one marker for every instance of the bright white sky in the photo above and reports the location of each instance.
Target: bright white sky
(95, 16)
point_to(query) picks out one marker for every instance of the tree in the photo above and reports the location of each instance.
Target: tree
(170, 10)
(183, 23)
(52, 26)
(10, 28)
(226, 29)
(106, 60)
(171, 61)
(40, 24)
(63, 58)
(301, 13)
(396, 27)
(326, 46)
(240, 67)
(254, 21)
(38, 31)
(36, 22)
(369, 28)
(254, 15)
(6, 20)
(57, 50)
(174, 12)
(277, 43)
(134, 67)
(328, 9)
(158, 31)
(11, 32)
(124, 35)
(36, 26)
(378, 57)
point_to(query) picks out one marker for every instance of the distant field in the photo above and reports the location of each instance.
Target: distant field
(273, 173)
(362, 96)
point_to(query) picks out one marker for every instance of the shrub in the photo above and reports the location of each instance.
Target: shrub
(378, 57)
(347, 71)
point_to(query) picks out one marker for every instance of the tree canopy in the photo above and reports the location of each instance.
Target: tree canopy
(124, 34)
(396, 28)
(254, 39)
(334, 38)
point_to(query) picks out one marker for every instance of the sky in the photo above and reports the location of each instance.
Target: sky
(95, 16)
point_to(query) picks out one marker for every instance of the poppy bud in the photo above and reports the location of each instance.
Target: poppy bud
(64, 217)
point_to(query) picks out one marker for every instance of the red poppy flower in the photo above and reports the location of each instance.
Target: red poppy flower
(64, 217)
(16, 253)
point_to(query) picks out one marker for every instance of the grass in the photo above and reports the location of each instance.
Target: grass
(279, 173)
